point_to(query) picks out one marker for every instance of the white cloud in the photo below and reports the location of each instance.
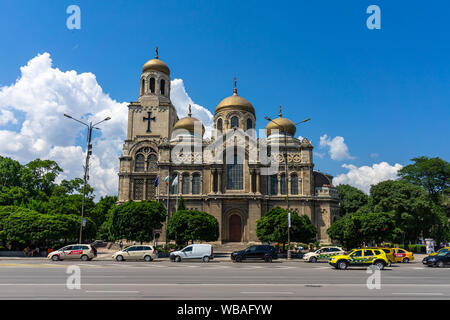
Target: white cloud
(44, 93)
(365, 176)
(338, 149)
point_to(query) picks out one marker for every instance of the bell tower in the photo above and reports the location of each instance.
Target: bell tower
(150, 123)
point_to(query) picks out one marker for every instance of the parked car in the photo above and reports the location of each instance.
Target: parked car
(257, 252)
(85, 252)
(322, 254)
(439, 260)
(442, 250)
(137, 252)
(360, 257)
(205, 252)
(390, 254)
(402, 255)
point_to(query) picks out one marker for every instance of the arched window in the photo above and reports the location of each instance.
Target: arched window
(283, 184)
(249, 124)
(152, 85)
(151, 161)
(138, 189)
(196, 183)
(139, 164)
(219, 125)
(185, 184)
(273, 185)
(174, 187)
(162, 86)
(234, 122)
(142, 86)
(294, 184)
(235, 175)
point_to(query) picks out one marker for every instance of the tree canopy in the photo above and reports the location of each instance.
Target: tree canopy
(191, 225)
(351, 199)
(136, 220)
(272, 227)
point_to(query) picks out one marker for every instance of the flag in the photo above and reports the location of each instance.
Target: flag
(167, 180)
(157, 181)
(175, 181)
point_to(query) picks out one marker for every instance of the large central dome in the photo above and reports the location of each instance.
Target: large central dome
(235, 102)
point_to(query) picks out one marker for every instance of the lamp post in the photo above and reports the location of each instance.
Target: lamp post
(90, 126)
(286, 174)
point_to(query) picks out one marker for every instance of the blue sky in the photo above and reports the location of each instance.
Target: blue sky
(386, 92)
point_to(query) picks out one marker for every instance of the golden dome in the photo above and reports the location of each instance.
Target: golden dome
(235, 102)
(156, 64)
(188, 123)
(281, 124)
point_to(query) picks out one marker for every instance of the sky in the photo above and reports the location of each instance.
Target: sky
(376, 97)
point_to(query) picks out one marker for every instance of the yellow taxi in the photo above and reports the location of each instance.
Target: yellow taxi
(402, 255)
(360, 257)
(442, 250)
(389, 254)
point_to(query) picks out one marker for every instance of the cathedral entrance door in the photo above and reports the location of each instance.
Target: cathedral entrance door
(234, 228)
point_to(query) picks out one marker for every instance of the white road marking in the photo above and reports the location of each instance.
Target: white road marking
(267, 292)
(419, 293)
(105, 291)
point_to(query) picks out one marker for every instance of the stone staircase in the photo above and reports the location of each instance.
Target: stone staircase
(228, 247)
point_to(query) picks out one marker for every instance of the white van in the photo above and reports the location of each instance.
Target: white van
(194, 251)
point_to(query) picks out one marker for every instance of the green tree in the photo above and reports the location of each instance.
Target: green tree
(13, 196)
(38, 177)
(352, 199)
(412, 208)
(432, 174)
(347, 230)
(181, 204)
(272, 227)
(100, 213)
(22, 226)
(10, 171)
(136, 220)
(191, 225)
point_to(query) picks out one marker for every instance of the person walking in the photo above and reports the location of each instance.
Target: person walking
(121, 245)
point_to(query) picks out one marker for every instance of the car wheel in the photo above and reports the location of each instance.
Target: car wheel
(405, 260)
(268, 259)
(313, 259)
(55, 257)
(119, 258)
(380, 264)
(238, 259)
(206, 259)
(177, 259)
(148, 258)
(84, 257)
(342, 265)
(440, 264)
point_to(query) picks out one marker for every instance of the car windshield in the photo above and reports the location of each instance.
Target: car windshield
(442, 254)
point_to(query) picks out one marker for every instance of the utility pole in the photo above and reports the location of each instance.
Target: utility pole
(286, 177)
(86, 166)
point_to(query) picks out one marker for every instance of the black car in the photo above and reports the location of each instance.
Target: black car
(259, 252)
(439, 260)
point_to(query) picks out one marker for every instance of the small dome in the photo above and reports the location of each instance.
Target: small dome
(282, 124)
(235, 102)
(156, 64)
(188, 123)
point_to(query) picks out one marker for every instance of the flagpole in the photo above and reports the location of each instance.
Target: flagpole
(168, 208)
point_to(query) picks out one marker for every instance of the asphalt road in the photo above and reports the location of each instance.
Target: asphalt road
(42, 279)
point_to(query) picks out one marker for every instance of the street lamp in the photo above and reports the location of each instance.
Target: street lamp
(286, 174)
(86, 167)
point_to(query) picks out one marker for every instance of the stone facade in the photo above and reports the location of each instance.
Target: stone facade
(234, 176)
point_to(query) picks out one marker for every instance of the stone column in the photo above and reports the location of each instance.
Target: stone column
(219, 182)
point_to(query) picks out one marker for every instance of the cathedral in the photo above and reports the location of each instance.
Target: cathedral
(234, 175)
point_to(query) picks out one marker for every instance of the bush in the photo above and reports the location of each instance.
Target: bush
(417, 248)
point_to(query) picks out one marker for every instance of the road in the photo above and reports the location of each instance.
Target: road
(42, 279)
